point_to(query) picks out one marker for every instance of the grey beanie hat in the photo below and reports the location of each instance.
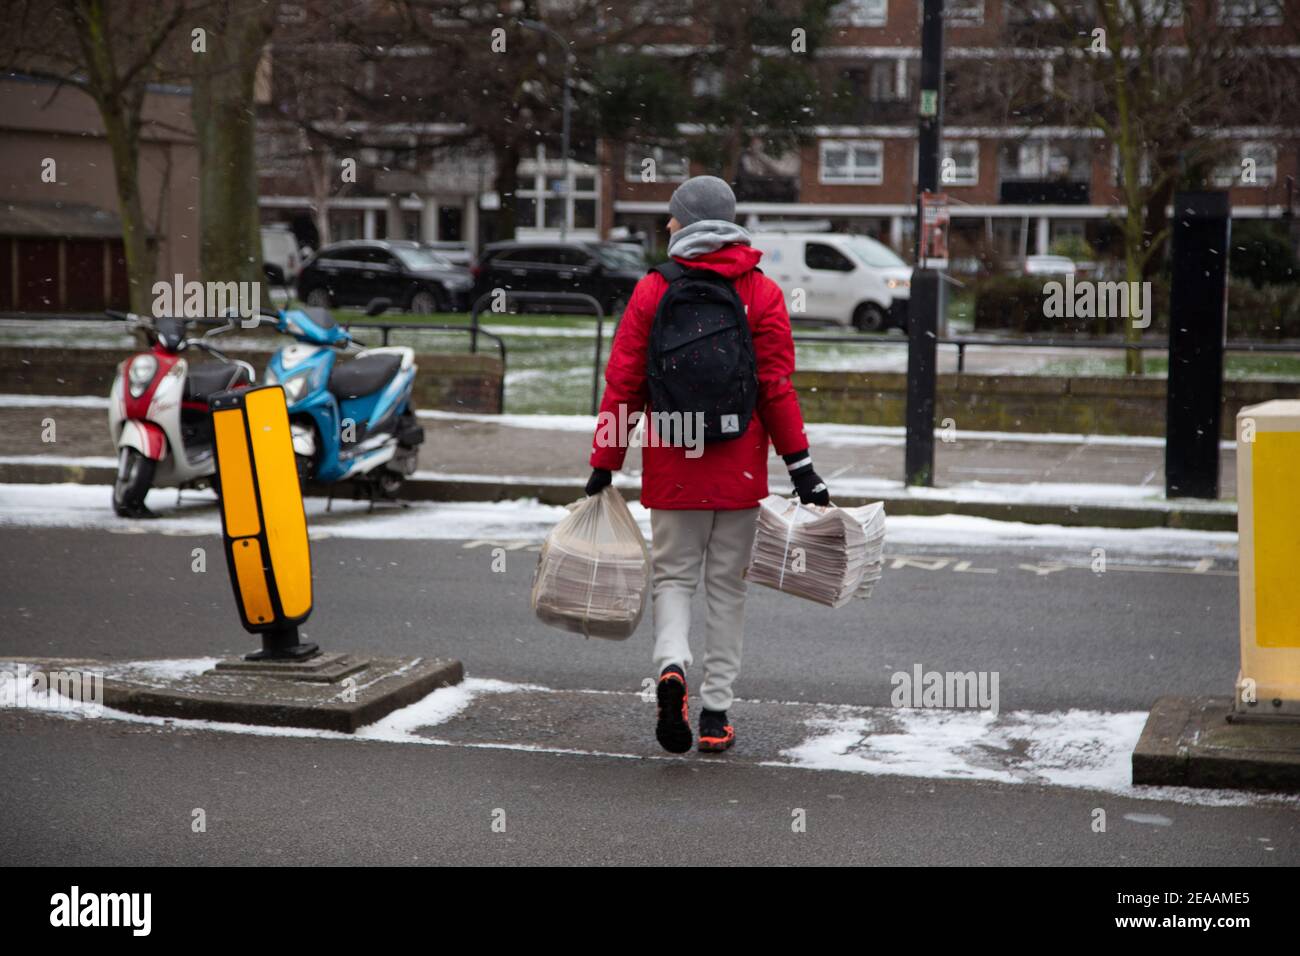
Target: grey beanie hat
(703, 197)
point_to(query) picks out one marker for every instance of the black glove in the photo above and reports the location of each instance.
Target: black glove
(600, 479)
(807, 484)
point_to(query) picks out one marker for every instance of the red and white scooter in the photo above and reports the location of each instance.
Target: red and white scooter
(158, 411)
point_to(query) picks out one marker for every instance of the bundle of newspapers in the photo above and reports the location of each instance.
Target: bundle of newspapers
(593, 574)
(828, 555)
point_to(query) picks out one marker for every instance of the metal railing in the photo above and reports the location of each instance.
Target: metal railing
(384, 328)
(549, 298)
(962, 343)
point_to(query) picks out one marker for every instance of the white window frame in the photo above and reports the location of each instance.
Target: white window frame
(964, 13)
(852, 178)
(1231, 13)
(535, 175)
(1045, 151)
(1144, 168)
(862, 13)
(634, 154)
(1173, 11)
(1228, 176)
(950, 146)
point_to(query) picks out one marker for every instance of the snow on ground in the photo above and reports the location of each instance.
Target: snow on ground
(53, 401)
(525, 519)
(1087, 750)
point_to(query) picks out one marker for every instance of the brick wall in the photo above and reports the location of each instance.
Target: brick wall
(1025, 403)
(448, 382)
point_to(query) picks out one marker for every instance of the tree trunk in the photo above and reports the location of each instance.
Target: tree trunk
(230, 247)
(141, 249)
(318, 171)
(1133, 253)
(506, 184)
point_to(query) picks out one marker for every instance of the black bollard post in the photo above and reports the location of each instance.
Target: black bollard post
(1198, 322)
(922, 333)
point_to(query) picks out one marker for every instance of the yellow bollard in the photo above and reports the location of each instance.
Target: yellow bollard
(1268, 526)
(262, 518)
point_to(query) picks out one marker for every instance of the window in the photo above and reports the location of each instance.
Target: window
(584, 214)
(572, 257)
(964, 12)
(961, 164)
(1250, 12)
(1169, 11)
(862, 13)
(859, 162)
(818, 255)
(1256, 165)
(546, 203)
(882, 80)
(876, 254)
(1041, 160)
(669, 165)
(1117, 169)
(371, 256)
(414, 258)
(707, 81)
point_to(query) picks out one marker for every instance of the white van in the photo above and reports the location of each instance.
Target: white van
(851, 280)
(280, 255)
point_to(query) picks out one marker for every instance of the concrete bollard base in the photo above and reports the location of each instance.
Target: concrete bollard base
(1191, 742)
(338, 692)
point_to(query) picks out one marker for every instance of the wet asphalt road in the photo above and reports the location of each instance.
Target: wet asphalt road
(78, 792)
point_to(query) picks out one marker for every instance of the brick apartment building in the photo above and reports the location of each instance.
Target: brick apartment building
(1015, 188)
(1016, 185)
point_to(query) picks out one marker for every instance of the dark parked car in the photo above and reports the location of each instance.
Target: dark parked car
(413, 278)
(605, 270)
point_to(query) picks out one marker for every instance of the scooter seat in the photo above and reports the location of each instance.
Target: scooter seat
(363, 375)
(211, 377)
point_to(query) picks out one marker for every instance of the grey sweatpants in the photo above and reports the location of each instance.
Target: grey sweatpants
(717, 543)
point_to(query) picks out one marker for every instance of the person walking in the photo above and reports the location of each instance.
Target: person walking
(703, 496)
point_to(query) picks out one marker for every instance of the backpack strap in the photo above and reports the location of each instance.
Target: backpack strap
(671, 270)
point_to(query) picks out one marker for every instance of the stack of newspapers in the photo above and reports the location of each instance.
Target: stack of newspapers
(828, 555)
(593, 574)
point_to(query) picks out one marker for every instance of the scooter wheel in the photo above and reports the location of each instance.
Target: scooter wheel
(134, 477)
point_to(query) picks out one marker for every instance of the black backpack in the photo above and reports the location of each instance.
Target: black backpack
(700, 358)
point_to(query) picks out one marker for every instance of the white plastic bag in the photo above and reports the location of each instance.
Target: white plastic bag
(824, 554)
(593, 574)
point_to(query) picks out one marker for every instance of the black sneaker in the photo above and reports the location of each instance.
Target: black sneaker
(673, 728)
(716, 735)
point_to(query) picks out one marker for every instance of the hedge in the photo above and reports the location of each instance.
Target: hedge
(1017, 304)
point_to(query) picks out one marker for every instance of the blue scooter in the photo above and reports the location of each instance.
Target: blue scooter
(351, 419)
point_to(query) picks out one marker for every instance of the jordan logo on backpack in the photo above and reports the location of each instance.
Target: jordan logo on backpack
(700, 357)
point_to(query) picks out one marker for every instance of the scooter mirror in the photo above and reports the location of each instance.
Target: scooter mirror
(378, 306)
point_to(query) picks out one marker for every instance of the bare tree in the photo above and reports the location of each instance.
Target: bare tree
(1155, 78)
(113, 52)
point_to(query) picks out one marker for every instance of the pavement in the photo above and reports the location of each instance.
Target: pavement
(1058, 479)
(549, 737)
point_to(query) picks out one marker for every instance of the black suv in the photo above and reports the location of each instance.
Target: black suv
(410, 276)
(604, 270)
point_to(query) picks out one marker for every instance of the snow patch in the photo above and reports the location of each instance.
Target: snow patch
(1080, 749)
(526, 519)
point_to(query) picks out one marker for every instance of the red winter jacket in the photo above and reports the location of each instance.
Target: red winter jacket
(730, 474)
